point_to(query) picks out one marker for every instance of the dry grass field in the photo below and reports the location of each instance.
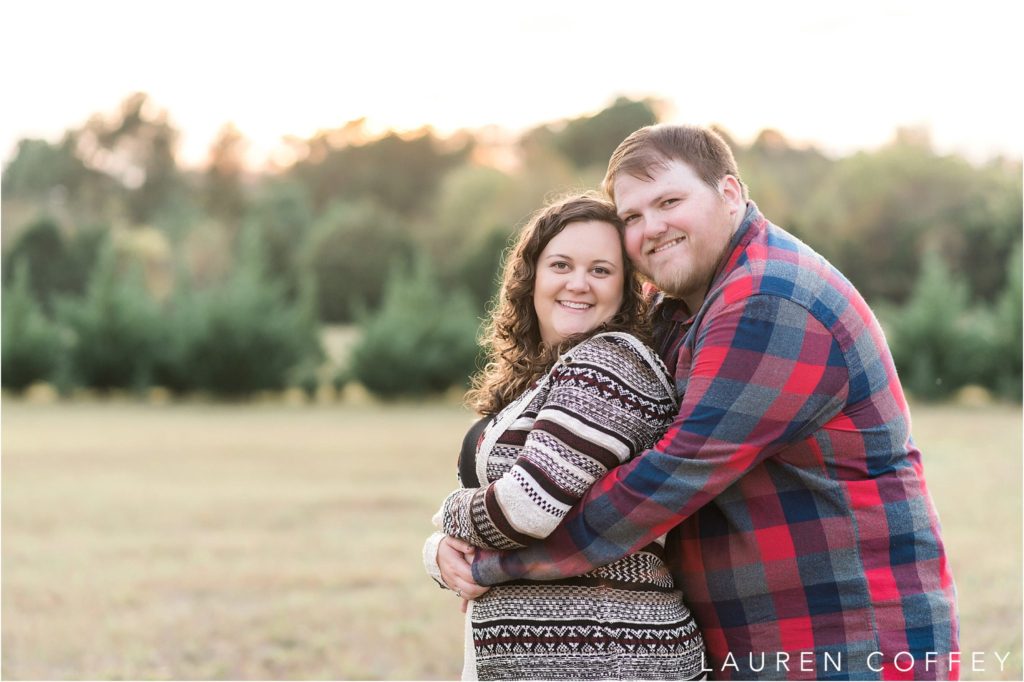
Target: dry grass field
(267, 541)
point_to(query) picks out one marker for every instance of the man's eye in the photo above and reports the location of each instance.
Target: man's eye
(629, 219)
(669, 202)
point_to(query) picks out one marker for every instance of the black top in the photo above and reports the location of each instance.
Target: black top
(467, 456)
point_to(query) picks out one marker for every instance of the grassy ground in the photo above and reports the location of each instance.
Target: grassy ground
(256, 542)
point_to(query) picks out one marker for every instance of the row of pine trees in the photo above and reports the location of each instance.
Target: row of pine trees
(123, 270)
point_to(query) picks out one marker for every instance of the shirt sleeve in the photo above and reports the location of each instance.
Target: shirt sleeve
(602, 408)
(764, 373)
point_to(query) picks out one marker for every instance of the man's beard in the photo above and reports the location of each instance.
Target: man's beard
(684, 283)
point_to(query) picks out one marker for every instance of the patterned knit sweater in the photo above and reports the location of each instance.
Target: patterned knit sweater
(605, 400)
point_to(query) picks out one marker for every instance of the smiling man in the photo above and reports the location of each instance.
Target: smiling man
(801, 529)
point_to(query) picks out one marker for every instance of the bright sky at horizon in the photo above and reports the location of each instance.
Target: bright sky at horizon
(842, 76)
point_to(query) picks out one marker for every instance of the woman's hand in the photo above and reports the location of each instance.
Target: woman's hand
(453, 558)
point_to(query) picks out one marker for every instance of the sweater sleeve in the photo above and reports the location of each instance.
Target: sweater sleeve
(606, 403)
(430, 548)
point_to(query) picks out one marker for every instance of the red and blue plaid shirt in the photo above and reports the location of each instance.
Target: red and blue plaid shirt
(801, 530)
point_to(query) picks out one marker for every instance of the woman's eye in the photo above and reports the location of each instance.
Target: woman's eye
(602, 271)
(560, 265)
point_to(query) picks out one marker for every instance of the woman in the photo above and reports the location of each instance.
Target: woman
(569, 393)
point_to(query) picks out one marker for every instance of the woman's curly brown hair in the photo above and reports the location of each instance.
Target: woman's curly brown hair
(516, 356)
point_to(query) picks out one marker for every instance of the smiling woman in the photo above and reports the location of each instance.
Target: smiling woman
(518, 353)
(570, 393)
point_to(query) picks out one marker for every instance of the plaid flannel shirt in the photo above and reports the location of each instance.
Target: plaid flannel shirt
(802, 532)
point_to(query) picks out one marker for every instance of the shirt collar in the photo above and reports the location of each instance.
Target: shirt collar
(753, 223)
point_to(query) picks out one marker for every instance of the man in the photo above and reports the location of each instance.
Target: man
(802, 532)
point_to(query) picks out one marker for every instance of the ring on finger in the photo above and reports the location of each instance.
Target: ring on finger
(458, 593)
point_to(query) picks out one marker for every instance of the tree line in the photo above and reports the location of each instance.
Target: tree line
(122, 269)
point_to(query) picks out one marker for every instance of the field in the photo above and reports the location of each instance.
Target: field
(270, 541)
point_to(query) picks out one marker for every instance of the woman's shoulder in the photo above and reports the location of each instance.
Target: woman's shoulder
(615, 347)
(625, 357)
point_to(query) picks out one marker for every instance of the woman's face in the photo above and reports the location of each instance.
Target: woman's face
(579, 282)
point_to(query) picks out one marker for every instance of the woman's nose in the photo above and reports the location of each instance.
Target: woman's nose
(578, 281)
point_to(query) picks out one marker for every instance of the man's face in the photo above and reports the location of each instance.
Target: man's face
(677, 226)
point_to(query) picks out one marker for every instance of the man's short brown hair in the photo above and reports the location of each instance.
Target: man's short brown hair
(654, 146)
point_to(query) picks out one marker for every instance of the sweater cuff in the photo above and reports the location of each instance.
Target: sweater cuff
(430, 558)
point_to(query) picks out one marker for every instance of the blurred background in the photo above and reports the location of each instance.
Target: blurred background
(246, 251)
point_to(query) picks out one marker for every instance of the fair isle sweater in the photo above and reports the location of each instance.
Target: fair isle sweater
(605, 400)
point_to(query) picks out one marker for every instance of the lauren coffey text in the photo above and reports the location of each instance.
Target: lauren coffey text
(903, 661)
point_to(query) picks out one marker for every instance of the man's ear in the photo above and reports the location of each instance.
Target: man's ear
(732, 192)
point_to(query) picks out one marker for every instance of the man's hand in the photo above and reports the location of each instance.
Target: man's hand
(453, 558)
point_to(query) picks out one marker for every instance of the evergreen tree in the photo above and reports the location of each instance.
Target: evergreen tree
(249, 337)
(421, 341)
(934, 345)
(1009, 339)
(116, 328)
(31, 345)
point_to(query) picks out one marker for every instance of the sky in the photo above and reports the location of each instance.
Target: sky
(841, 76)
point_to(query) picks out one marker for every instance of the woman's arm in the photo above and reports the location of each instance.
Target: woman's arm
(608, 402)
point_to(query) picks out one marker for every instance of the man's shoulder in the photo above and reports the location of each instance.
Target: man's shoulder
(773, 248)
(777, 263)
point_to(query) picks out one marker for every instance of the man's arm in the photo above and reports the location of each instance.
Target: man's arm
(764, 373)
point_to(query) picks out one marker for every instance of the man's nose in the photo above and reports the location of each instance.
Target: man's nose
(654, 226)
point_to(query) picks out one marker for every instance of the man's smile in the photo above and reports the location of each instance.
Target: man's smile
(667, 245)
